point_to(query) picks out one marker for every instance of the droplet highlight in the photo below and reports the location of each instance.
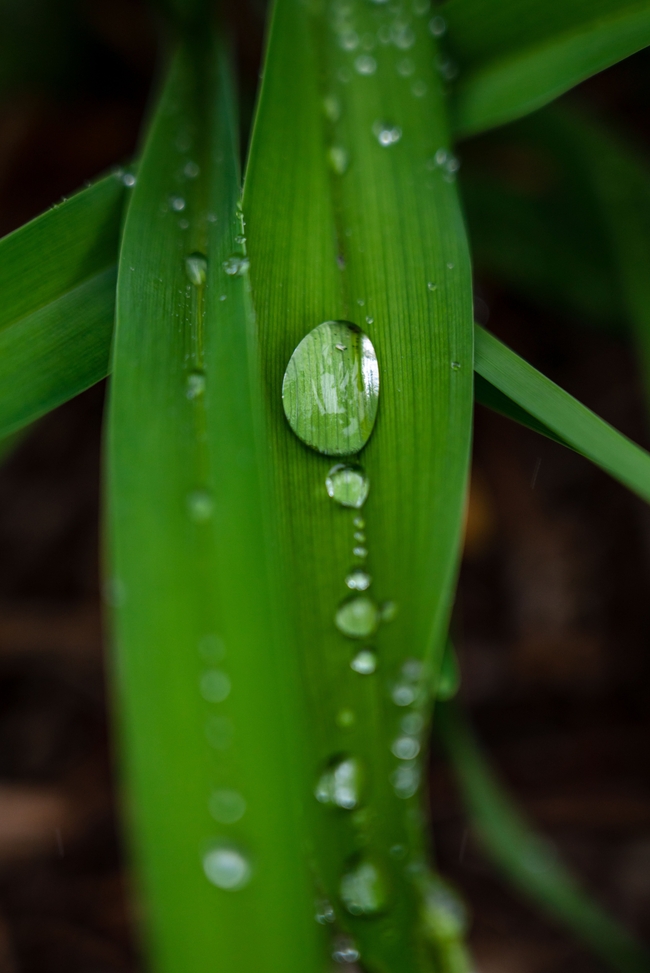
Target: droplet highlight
(330, 396)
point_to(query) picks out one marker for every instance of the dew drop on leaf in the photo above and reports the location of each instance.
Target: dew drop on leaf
(358, 617)
(348, 485)
(227, 806)
(227, 867)
(195, 384)
(364, 662)
(358, 580)
(363, 890)
(196, 268)
(339, 785)
(330, 396)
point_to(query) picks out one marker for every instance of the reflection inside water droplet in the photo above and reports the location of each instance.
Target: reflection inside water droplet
(196, 268)
(358, 617)
(348, 485)
(227, 867)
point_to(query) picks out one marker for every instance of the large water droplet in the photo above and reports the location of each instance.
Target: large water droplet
(339, 785)
(227, 806)
(358, 580)
(227, 867)
(348, 485)
(358, 617)
(364, 662)
(363, 890)
(196, 268)
(330, 390)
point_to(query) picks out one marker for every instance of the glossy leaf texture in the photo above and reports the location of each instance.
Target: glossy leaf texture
(352, 214)
(57, 279)
(515, 56)
(567, 418)
(525, 857)
(208, 699)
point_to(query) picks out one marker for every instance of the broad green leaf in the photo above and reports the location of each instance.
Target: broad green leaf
(515, 56)
(567, 418)
(57, 280)
(527, 859)
(350, 218)
(209, 701)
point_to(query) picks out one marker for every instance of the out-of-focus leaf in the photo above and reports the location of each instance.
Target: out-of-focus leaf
(207, 690)
(524, 857)
(567, 419)
(57, 280)
(517, 55)
(350, 217)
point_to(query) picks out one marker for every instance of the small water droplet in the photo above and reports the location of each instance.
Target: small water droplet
(358, 580)
(330, 397)
(236, 265)
(419, 89)
(450, 266)
(177, 203)
(332, 108)
(349, 40)
(348, 485)
(431, 286)
(324, 912)
(361, 552)
(340, 785)
(212, 648)
(345, 718)
(386, 134)
(403, 695)
(215, 685)
(199, 506)
(402, 36)
(388, 611)
(364, 662)
(363, 889)
(195, 384)
(212, 217)
(219, 731)
(227, 806)
(398, 852)
(196, 268)
(369, 320)
(405, 780)
(359, 522)
(227, 867)
(129, 180)
(455, 365)
(437, 26)
(359, 536)
(365, 64)
(191, 170)
(338, 159)
(360, 302)
(345, 951)
(405, 748)
(184, 224)
(358, 617)
(412, 724)
(421, 7)
(405, 67)
(240, 239)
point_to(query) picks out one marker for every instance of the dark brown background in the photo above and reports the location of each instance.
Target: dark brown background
(552, 620)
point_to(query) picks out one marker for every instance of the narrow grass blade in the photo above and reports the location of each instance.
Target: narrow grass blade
(57, 278)
(526, 858)
(489, 395)
(208, 699)
(515, 56)
(567, 418)
(350, 217)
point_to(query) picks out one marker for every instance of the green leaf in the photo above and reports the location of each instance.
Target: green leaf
(350, 218)
(567, 418)
(209, 704)
(515, 56)
(57, 278)
(527, 859)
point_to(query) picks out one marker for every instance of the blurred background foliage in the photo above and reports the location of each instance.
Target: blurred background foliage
(551, 622)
